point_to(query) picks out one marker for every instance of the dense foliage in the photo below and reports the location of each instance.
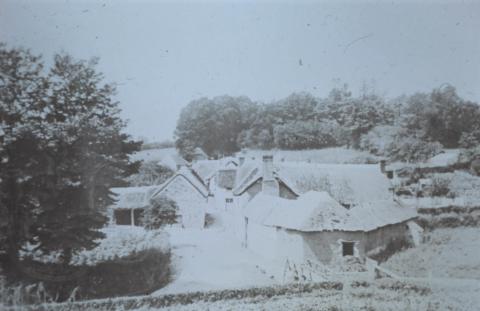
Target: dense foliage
(162, 211)
(62, 148)
(409, 128)
(150, 173)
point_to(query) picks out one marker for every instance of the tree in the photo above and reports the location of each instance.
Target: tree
(470, 139)
(306, 134)
(213, 125)
(410, 148)
(23, 92)
(87, 154)
(161, 211)
(442, 116)
(62, 156)
(149, 174)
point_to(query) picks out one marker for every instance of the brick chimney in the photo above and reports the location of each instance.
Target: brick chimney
(241, 160)
(269, 183)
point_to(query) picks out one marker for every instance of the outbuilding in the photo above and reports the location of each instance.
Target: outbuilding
(317, 227)
(129, 204)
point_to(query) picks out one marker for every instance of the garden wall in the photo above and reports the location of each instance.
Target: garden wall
(449, 217)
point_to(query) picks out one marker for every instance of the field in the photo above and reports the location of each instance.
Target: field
(446, 253)
(327, 155)
(384, 294)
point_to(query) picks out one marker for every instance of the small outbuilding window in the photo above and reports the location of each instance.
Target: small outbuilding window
(347, 248)
(346, 205)
(228, 200)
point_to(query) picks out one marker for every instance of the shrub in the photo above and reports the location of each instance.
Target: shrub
(162, 211)
(440, 187)
(138, 273)
(377, 140)
(209, 220)
(395, 245)
(409, 148)
(150, 173)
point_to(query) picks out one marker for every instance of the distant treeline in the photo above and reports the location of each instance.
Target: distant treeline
(407, 128)
(158, 145)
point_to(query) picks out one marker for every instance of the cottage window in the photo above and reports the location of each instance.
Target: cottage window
(228, 200)
(347, 248)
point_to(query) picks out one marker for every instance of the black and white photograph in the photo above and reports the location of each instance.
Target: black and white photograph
(228, 155)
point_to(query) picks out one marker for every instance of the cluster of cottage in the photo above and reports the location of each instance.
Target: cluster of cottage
(280, 209)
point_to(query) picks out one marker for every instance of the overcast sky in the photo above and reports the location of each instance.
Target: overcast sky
(164, 54)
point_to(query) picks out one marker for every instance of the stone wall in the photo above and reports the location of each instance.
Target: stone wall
(327, 246)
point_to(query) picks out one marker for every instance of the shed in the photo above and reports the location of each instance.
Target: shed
(129, 204)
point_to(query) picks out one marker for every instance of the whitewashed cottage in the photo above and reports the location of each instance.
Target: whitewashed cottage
(185, 187)
(190, 193)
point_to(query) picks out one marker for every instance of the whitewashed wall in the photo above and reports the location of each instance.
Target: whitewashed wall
(192, 205)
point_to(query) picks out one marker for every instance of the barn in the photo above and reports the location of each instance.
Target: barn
(316, 227)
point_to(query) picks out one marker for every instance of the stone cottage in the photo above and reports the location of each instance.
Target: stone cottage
(316, 227)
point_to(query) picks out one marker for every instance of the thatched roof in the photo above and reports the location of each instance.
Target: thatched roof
(318, 211)
(132, 197)
(190, 176)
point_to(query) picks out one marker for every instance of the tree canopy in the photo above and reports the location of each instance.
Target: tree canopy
(224, 125)
(62, 148)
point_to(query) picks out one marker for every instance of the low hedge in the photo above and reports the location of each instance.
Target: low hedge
(449, 217)
(194, 297)
(139, 273)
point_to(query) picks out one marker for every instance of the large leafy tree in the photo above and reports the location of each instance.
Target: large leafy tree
(213, 124)
(23, 93)
(150, 173)
(63, 158)
(442, 116)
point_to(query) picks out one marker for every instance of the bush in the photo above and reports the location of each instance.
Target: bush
(378, 139)
(395, 245)
(440, 187)
(150, 173)
(139, 273)
(409, 148)
(162, 211)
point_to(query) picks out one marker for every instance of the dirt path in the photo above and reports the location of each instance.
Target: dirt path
(211, 259)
